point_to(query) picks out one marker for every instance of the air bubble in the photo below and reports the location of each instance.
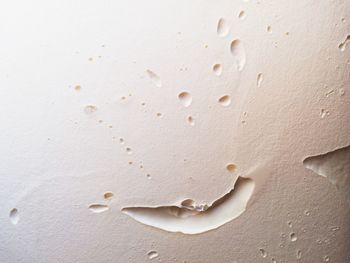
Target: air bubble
(190, 120)
(231, 167)
(185, 98)
(14, 216)
(90, 109)
(108, 195)
(222, 28)
(323, 113)
(263, 253)
(154, 77)
(242, 15)
(152, 254)
(128, 150)
(238, 53)
(269, 29)
(259, 80)
(217, 68)
(225, 100)
(293, 237)
(98, 208)
(298, 254)
(342, 46)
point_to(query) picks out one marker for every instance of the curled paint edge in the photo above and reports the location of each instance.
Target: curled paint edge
(188, 220)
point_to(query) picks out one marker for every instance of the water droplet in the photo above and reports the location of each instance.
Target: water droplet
(290, 224)
(293, 237)
(222, 28)
(14, 216)
(342, 46)
(269, 29)
(242, 15)
(307, 212)
(128, 150)
(108, 195)
(238, 53)
(152, 254)
(217, 68)
(77, 87)
(298, 254)
(263, 253)
(190, 120)
(90, 109)
(98, 208)
(231, 167)
(154, 77)
(185, 98)
(326, 258)
(121, 140)
(225, 100)
(259, 80)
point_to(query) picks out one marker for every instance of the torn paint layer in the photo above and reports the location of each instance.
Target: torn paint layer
(189, 218)
(335, 166)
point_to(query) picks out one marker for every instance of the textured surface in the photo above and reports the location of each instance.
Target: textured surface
(113, 104)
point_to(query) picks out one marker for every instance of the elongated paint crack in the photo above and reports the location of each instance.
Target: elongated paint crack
(335, 166)
(189, 218)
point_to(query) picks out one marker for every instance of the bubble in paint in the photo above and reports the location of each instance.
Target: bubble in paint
(14, 216)
(222, 28)
(185, 98)
(225, 100)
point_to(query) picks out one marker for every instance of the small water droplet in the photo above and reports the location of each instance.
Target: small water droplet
(90, 109)
(98, 208)
(222, 28)
(238, 53)
(154, 77)
(225, 100)
(14, 216)
(121, 140)
(259, 80)
(231, 167)
(217, 68)
(148, 176)
(290, 224)
(190, 120)
(108, 195)
(263, 253)
(152, 254)
(326, 258)
(307, 212)
(185, 98)
(242, 15)
(293, 237)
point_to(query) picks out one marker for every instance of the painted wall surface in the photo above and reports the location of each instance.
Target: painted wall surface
(175, 131)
